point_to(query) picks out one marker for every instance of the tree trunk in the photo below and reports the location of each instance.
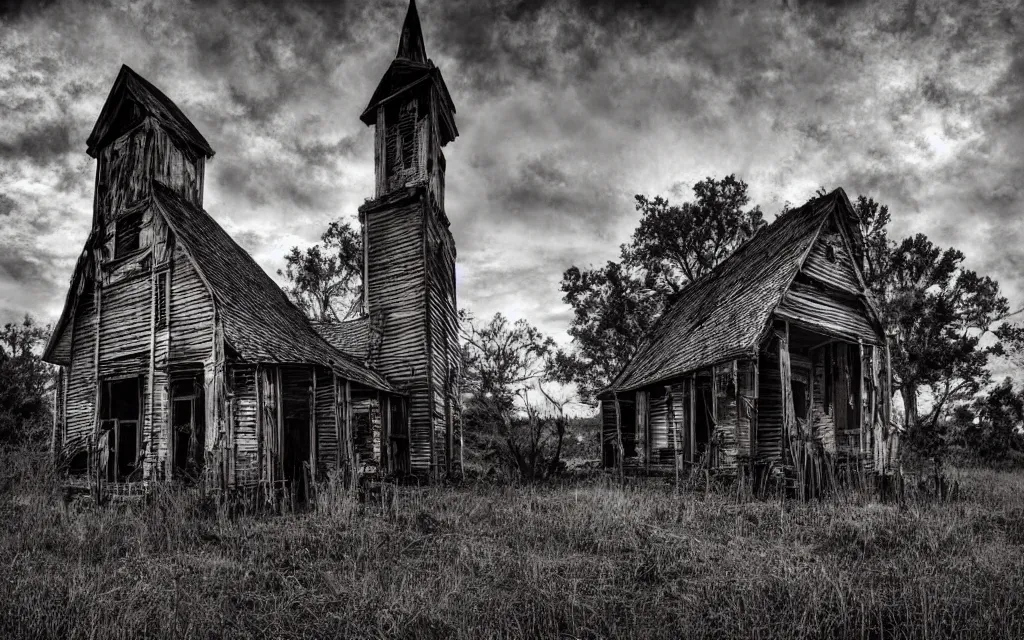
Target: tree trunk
(909, 394)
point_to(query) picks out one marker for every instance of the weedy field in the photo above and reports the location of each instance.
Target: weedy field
(586, 559)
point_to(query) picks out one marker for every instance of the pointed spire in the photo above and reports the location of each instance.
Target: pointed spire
(410, 46)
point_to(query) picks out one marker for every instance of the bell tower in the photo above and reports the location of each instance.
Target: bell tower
(409, 266)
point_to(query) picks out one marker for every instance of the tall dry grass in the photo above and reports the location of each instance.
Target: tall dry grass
(584, 559)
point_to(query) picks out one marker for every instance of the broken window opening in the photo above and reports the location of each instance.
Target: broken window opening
(187, 428)
(127, 234)
(120, 421)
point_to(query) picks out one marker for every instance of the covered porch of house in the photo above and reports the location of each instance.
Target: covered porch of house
(810, 401)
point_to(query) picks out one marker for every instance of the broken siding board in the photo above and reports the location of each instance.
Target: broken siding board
(811, 307)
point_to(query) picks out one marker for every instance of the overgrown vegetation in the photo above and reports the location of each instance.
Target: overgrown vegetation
(26, 386)
(581, 559)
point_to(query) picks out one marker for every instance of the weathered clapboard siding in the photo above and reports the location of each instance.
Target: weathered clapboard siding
(812, 307)
(125, 326)
(177, 168)
(326, 431)
(81, 387)
(191, 312)
(830, 262)
(396, 275)
(443, 327)
(123, 172)
(244, 414)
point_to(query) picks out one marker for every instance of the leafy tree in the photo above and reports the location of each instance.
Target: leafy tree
(325, 280)
(614, 306)
(26, 382)
(989, 424)
(503, 362)
(936, 313)
(678, 244)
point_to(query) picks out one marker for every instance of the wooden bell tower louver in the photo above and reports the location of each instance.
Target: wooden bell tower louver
(410, 251)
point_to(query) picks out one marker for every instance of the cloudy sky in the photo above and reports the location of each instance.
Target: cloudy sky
(565, 109)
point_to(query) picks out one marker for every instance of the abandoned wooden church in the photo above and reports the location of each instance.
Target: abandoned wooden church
(181, 358)
(774, 360)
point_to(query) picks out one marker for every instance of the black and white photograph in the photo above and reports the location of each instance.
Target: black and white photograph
(465, 319)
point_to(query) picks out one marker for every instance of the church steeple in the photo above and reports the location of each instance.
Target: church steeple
(409, 266)
(414, 116)
(410, 45)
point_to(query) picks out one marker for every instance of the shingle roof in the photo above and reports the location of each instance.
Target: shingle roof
(259, 321)
(351, 337)
(723, 316)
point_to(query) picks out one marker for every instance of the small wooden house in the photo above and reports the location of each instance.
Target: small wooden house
(181, 358)
(776, 357)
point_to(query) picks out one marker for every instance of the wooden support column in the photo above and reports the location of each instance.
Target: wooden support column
(149, 381)
(312, 427)
(757, 399)
(642, 412)
(675, 432)
(385, 436)
(349, 439)
(279, 427)
(860, 398)
(259, 421)
(693, 419)
(380, 156)
(618, 437)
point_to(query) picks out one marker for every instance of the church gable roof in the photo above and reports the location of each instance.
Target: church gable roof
(259, 321)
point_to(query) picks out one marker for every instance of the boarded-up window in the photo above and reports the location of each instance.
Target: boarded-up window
(126, 239)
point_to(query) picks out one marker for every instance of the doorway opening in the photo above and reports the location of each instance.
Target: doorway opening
(188, 428)
(120, 429)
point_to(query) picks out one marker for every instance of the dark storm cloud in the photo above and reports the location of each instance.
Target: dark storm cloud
(565, 108)
(41, 143)
(6, 205)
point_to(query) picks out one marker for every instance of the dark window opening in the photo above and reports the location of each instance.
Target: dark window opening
(79, 463)
(126, 238)
(162, 292)
(398, 438)
(800, 399)
(830, 253)
(120, 425)
(407, 133)
(187, 428)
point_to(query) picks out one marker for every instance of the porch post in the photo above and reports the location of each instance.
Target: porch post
(618, 436)
(675, 432)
